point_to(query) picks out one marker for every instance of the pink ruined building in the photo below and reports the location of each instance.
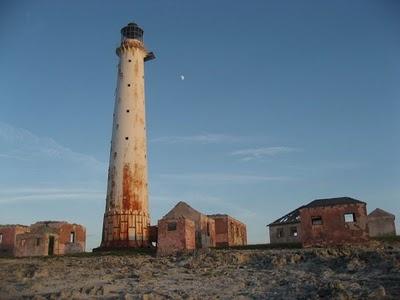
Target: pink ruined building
(185, 229)
(42, 239)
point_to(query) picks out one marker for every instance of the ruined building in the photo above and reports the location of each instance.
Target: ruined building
(381, 223)
(126, 218)
(229, 231)
(184, 229)
(332, 221)
(42, 238)
(194, 225)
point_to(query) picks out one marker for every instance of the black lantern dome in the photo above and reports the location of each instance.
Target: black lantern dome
(132, 31)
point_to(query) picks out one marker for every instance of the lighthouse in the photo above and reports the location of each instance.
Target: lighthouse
(126, 219)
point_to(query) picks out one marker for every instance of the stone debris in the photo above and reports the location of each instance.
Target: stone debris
(326, 273)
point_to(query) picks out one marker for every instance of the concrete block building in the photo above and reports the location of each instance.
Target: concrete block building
(229, 231)
(45, 238)
(323, 222)
(381, 223)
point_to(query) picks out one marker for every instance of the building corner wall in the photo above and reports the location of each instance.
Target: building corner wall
(334, 230)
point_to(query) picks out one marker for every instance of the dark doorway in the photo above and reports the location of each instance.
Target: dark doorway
(51, 245)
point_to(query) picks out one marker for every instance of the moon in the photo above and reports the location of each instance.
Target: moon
(182, 77)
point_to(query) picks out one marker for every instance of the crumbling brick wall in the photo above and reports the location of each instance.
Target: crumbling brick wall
(326, 225)
(33, 244)
(205, 232)
(237, 233)
(175, 235)
(221, 232)
(229, 231)
(72, 238)
(8, 238)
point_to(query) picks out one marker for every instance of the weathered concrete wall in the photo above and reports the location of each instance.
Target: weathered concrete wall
(67, 246)
(237, 232)
(8, 238)
(333, 230)
(205, 235)
(175, 235)
(229, 231)
(221, 231)
(381, 226)
(34, 244)
(126, 218)
(285, 233)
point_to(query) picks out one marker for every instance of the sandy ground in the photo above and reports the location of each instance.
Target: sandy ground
(347, 273)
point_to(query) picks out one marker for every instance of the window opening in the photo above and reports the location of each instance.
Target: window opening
(72, 237)
(172, 226)
(316, 220)
(293, 231)
(349, 218)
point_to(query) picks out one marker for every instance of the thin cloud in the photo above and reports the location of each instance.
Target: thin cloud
(257, 153)
(341, 165)
(223, 177)
(8, 156)
(21, 144)
(17, 194)
(204, 138)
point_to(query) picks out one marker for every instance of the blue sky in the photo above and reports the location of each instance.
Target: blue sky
(282, 102)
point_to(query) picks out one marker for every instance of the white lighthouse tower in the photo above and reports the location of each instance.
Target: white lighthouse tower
(126, 219)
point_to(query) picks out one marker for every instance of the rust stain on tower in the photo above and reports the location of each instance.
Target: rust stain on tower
(126, 188)
(130, 197)
(126, 217)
